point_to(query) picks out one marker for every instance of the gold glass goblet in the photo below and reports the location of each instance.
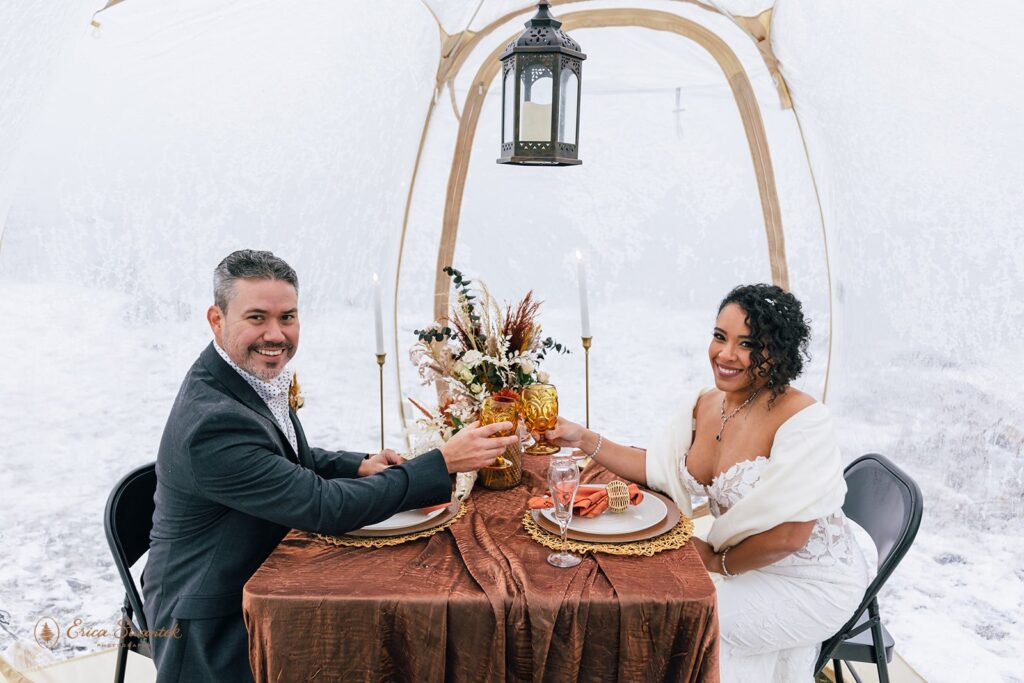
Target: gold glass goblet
(540, 409)
(500, 409)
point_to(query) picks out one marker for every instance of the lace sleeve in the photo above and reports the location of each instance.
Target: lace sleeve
(831, 542)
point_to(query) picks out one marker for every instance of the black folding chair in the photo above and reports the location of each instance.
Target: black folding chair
(886, 503)
(128, 520)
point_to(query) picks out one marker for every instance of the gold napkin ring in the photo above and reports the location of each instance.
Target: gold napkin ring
(618, 496)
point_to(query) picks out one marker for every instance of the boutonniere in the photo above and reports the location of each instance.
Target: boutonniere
(295, 397)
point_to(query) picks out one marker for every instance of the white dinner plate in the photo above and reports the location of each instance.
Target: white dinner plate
(649, 512)
(400, 520)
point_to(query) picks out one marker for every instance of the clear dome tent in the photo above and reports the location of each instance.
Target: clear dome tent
(866, 156)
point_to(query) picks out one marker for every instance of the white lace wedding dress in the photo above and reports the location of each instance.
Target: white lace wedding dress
(772, 620)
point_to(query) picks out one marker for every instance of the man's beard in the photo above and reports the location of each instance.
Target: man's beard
(252, 363)
(256, 367)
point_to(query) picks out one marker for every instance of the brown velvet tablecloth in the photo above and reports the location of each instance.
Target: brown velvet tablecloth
(478, 602)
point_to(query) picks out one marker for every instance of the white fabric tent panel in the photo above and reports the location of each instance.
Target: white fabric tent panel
(459, 15)
(34, 43)
(203, 128)
(912, 116)
(673, 60)
(743, 8)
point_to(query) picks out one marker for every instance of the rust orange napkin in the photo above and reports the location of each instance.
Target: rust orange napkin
(590, 500)
(430, 509)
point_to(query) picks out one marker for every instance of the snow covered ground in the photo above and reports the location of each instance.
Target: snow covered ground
(87, 385)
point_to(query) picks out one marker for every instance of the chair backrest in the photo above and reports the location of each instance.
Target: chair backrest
(887, 504)
(128, 519)
(884, 501)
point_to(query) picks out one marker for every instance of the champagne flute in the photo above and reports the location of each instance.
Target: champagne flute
(563, 481)
(540, 409)
(500, 409)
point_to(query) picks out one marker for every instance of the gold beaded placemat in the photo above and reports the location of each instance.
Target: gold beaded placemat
(384, 541)
(673, 539)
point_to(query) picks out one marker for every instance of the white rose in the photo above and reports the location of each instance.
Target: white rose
(543, 377)
(527, 366)
(472, 358)
(476, 387)
(461, 371)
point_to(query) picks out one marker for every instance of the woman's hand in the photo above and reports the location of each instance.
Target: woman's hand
(627, 462)
(707, 555)
(566, 434)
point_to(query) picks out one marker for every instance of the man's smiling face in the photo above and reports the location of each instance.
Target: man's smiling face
(260, 329)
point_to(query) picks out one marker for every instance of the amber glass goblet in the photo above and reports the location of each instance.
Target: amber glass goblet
(500, 409)
(540, 410)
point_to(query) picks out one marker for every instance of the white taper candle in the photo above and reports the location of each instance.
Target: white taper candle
(378, 316)
(581, 276)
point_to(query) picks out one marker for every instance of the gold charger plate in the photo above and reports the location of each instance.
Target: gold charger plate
(437, 520)
(662, 527)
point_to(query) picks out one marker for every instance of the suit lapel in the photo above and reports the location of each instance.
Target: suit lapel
(245, 394)
(305, 457)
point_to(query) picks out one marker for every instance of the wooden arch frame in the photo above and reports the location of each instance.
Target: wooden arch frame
(742, 90)
(454, 53)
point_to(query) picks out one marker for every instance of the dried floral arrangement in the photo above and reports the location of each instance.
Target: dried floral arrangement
(479, 350)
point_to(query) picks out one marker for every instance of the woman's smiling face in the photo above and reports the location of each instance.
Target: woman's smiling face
(730, 349)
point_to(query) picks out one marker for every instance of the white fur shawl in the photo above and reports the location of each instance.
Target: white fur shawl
(803, 480)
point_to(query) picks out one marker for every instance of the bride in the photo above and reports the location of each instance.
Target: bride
(766, 457)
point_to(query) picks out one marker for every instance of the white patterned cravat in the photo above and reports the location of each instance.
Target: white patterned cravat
(274, 393)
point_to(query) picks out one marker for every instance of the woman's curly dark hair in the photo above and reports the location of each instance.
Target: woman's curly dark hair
(779, 331)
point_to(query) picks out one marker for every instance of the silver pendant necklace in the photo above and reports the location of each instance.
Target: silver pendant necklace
(726, 418)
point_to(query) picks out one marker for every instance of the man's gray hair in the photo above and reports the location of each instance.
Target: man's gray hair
(248, 264)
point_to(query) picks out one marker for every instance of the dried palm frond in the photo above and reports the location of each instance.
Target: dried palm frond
(421, 408)
(491, 321)
(519, 323)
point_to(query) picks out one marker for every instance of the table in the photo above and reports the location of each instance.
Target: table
(478, 602)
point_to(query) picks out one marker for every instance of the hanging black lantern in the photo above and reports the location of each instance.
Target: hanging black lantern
(540, 95)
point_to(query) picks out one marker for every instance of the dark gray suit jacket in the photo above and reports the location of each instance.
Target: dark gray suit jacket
(229, 487)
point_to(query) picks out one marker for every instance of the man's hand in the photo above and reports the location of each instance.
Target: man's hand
(474, 447)
(379, 462)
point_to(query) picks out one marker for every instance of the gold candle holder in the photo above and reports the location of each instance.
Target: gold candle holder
(586, 372)
(380, 368)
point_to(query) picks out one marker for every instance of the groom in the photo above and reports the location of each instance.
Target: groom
(235, 473)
